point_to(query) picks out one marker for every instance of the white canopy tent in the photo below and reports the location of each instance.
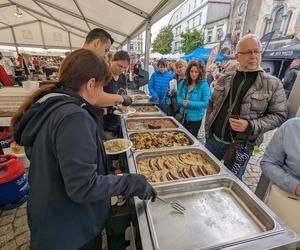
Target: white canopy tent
(65, 23)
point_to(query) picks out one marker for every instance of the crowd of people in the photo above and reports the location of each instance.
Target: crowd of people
(63, 126)
(14, 70)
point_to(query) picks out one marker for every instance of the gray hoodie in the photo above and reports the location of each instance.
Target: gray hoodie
(281, 162)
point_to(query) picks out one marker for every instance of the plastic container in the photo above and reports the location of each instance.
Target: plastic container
(30, 85)
(14, 186)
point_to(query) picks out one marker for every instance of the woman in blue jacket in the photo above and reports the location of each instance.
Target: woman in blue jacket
(159, 84)
(193, 96)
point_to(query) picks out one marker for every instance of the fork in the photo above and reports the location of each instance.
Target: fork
(175, 205)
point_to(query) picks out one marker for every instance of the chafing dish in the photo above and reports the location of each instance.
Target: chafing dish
(150, 123)
(219, 213)
(149, 136)
(176, 164)
(156, 110)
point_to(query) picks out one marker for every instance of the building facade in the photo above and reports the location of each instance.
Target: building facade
(262, 17)
(209, 16)
(282, 17)
(136, 46)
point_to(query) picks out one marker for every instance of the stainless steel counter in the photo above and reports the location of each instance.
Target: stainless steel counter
(264, 231)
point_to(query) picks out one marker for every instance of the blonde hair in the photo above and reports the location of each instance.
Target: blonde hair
(180, 63)
(247, 37)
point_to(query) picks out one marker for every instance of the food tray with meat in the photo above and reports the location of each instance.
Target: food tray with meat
(161, 139)
(174, 165)
(219, 213)
(150, 123)
(146, 109)
(139, 97)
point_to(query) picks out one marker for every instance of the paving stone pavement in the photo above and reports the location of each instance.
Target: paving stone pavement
(14, 231)
(253, 170)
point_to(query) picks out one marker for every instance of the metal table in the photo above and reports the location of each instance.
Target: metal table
(281, 237)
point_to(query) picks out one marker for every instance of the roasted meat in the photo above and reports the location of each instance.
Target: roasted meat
(168, 167)
(160, 139)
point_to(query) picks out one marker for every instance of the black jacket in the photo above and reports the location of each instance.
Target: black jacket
(69, 200)
(289, 80)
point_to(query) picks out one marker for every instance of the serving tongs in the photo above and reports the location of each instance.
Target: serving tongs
(175, 205)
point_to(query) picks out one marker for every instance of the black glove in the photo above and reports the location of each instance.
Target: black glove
(138, 186)
(127, 100)
(149, 193)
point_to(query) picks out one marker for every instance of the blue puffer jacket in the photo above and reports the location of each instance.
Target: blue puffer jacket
(159, 85)
(198, 100)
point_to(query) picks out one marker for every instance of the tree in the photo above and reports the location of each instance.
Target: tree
(163, 42)
(191, 40)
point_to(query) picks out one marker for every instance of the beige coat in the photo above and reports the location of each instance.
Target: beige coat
(264, 104)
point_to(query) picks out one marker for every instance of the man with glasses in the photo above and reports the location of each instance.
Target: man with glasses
(244, 105)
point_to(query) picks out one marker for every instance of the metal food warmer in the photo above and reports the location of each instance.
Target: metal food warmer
(221, 211)
(146, 109)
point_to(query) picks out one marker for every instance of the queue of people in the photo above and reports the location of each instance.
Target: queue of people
(238, 105)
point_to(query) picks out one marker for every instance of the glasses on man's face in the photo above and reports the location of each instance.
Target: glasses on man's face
(106, 50)
(250, 52)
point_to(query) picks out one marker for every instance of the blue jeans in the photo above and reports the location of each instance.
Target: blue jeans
(218, 149)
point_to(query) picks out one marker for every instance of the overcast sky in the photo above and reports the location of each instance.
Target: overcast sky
(161, 23)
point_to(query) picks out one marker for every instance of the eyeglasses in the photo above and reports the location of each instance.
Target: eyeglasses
(250, 52)
(106, 50)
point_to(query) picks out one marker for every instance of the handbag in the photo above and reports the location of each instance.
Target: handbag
(179, 117)
(238, 152)
(166, 108)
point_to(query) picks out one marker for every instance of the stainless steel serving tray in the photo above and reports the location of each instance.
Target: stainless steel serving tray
(219, 213)
(193, 140)
(141, 155)
(172, 119)
(157, 112)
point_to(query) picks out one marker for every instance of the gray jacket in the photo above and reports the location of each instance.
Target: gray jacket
(264, 105)
(281, 163)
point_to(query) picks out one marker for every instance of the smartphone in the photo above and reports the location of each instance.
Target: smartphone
(235, 117)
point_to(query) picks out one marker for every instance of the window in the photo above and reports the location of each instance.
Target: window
(266, 24)
(188, 24)
(288, 21)
(238, 25)
(180, 15)
(242, 8)
(178, 30)
(209, 36)
(220, 33)
(189, 8)
(195, 3)
(177, 46)
(176, 18)
(194, 22)
(277, 23)
(200, 16)
(131, 46)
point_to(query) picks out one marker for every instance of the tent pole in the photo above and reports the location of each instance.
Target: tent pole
(147, 45)
(69, 37)
(14, 37)
(281, 66)
(42, 34)
(147, 48)
(128, 45)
